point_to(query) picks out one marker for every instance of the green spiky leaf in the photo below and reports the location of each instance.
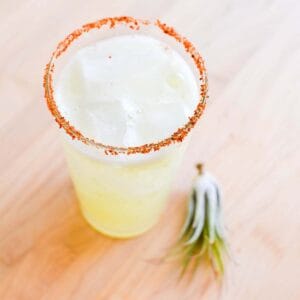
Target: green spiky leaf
(202, 233)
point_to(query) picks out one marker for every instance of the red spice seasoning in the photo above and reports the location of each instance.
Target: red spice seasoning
(133, 24)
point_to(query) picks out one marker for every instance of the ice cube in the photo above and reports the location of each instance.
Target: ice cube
(105, 123)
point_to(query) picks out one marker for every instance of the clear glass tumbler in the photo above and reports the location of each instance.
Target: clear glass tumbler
(122, 191)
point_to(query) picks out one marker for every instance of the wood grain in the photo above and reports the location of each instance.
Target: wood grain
(249, 138)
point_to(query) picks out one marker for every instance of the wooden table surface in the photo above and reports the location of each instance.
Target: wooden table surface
(249, 138)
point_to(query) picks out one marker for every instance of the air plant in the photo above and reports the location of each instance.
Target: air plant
(202, 234)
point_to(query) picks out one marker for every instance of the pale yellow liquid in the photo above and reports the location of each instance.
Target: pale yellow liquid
(122, 200)
(125, 91)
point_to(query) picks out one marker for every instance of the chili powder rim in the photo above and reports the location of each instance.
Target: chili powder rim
(134, 24)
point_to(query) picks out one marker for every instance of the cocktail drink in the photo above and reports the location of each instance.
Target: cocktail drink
(126, 93)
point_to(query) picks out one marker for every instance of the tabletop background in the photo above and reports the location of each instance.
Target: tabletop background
(249, 137)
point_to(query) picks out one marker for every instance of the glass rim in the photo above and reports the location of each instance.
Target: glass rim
(134, 24)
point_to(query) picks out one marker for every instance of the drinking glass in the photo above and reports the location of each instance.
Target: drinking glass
(122, 190)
